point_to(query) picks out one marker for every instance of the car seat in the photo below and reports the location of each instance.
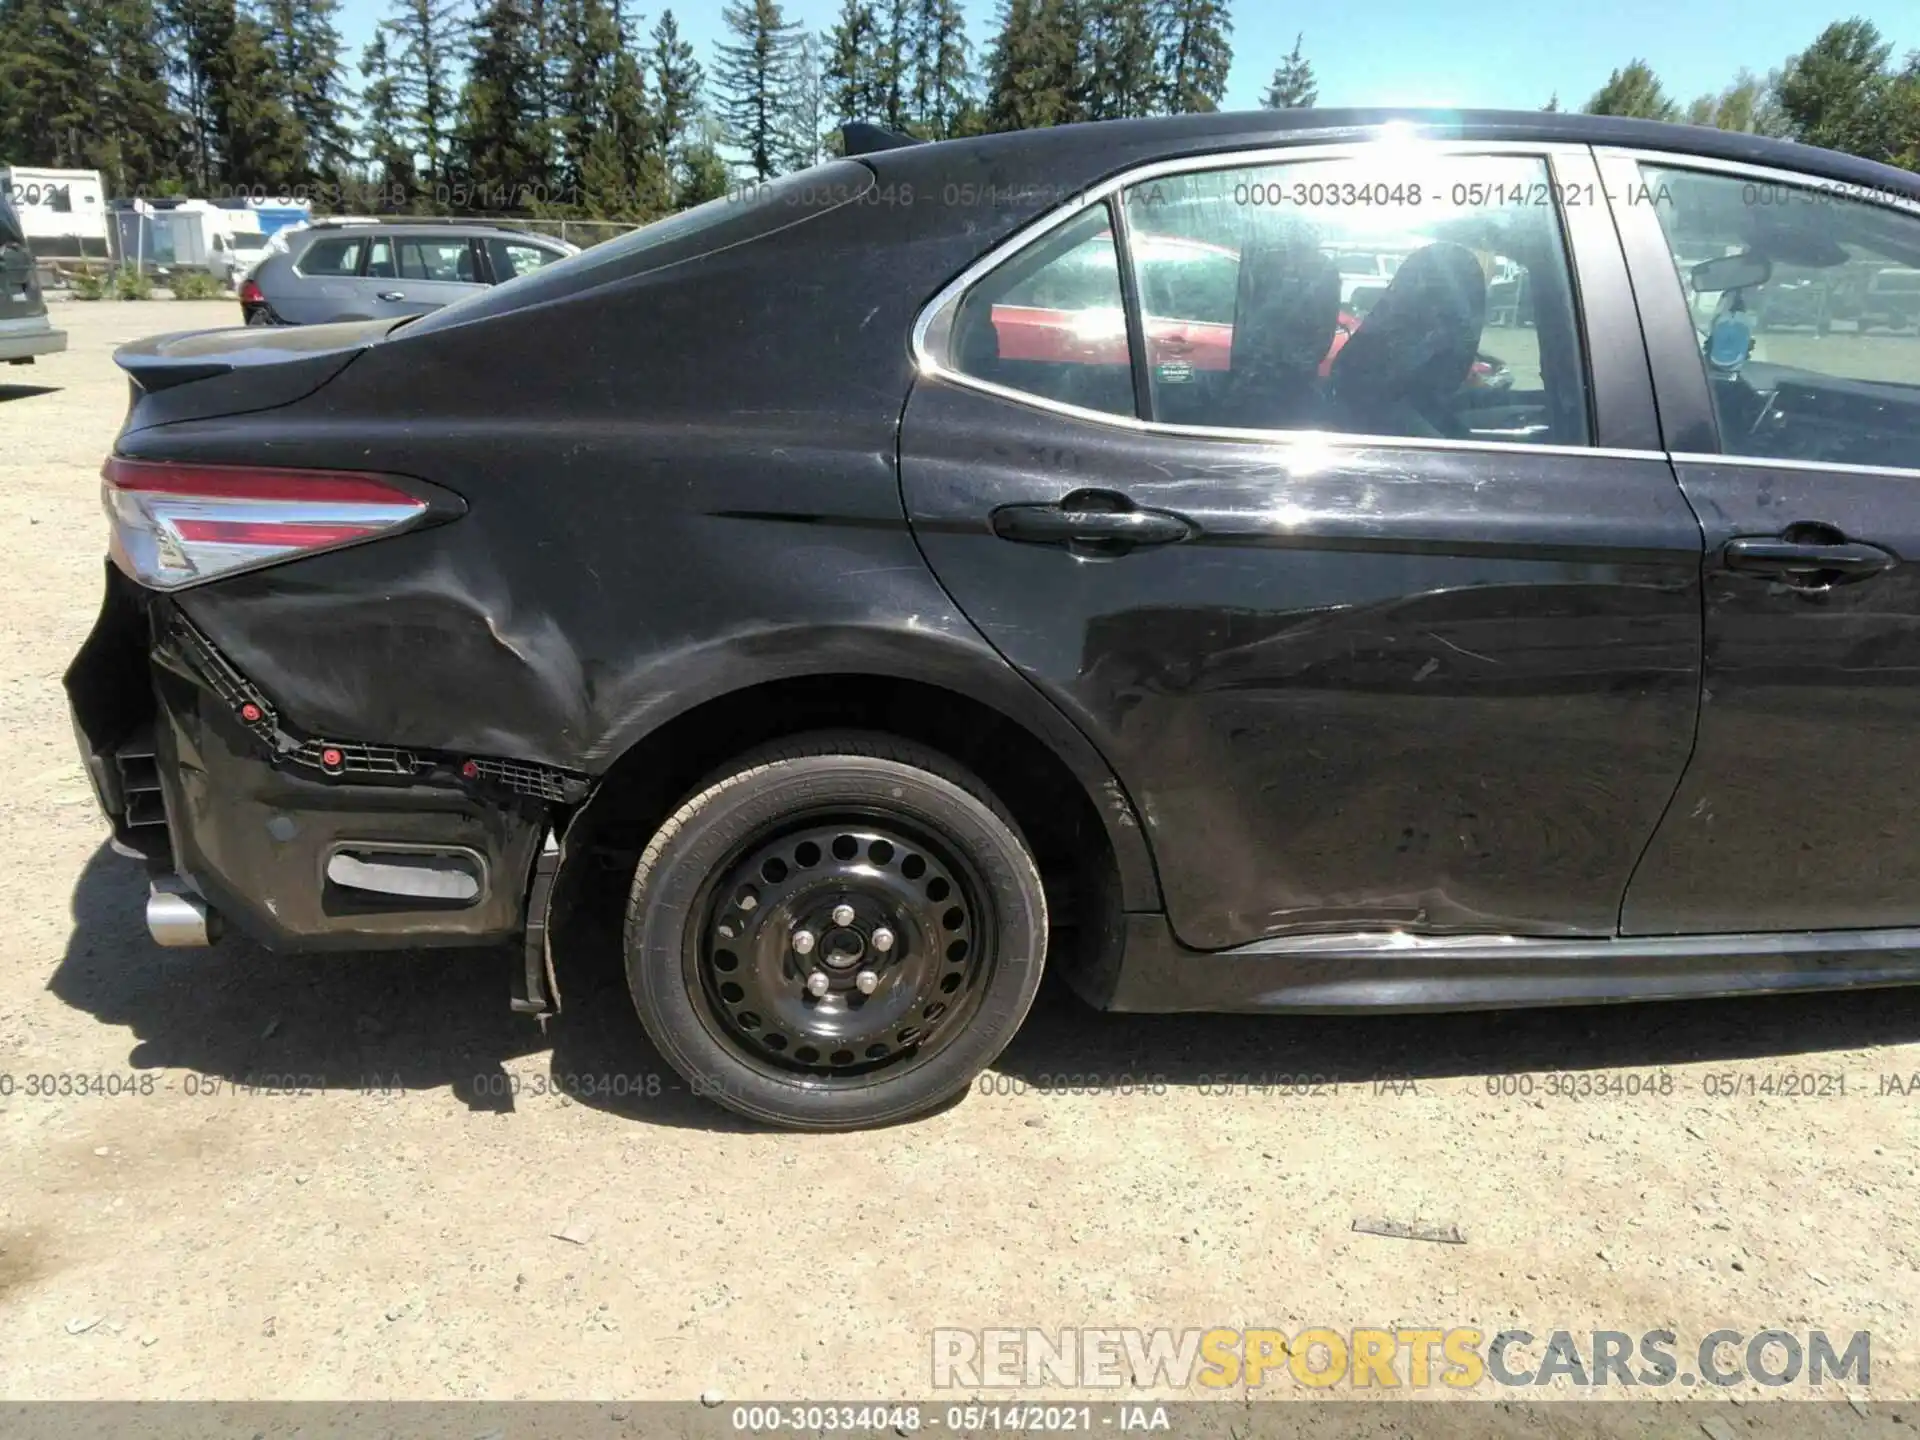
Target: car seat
(1401, 369)
(1285, 310)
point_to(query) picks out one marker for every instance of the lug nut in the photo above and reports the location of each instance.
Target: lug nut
(883, 939)
(803, 942)
(867, 982)
(817, 983)
(843, 914)
(748, 900)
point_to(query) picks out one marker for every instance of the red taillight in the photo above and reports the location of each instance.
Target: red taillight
(176, 524)
(250, 294)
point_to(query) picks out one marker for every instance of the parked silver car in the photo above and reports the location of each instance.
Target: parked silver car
(25, 330)
(333, 271)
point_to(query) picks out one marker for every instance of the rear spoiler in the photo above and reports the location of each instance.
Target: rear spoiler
(858, 137)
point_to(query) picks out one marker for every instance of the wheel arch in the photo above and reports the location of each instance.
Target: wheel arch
(933, 688)
(969, 707)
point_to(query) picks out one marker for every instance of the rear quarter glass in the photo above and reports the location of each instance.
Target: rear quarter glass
(746, 212)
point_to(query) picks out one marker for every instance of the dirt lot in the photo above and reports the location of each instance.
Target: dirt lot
(324, 1184)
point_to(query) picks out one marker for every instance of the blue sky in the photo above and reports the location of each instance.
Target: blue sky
(1437, 52)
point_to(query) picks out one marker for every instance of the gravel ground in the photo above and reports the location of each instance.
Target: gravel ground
(362, 1176)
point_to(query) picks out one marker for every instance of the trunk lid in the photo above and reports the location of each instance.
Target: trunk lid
(201, 374)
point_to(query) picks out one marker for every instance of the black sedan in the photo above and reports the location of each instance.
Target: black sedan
(891, 594)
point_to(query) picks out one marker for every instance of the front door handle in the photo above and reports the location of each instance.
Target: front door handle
(1094, 522)
(393, 294)
(1829, 559)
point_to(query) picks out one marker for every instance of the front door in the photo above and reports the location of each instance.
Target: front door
(1801, 808)
(1382, 604)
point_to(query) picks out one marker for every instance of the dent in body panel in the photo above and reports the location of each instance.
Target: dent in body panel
(1439, 689)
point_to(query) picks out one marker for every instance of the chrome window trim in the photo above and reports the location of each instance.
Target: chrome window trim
(1686, 160)
(1770, 462)
(929, 366)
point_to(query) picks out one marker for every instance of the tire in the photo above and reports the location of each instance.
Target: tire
(924, 921)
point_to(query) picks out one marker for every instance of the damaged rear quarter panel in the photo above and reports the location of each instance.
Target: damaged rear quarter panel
(677, 483)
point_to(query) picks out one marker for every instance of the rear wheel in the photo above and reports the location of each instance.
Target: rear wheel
(839, 930)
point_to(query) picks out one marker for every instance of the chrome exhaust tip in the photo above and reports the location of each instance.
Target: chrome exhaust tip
(176, 917)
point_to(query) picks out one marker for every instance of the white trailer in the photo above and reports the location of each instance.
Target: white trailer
(62, 212)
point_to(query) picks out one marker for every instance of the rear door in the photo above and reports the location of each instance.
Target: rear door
(1371, 642)
(413, 274)
(1796, 424)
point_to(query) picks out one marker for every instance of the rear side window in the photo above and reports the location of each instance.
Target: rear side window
(1806, 308)
(1404, 295)
(513, 257)
(1051, 321)
(1423, 297)
(335, 255)
(428, 258)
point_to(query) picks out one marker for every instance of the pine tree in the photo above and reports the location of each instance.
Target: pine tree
(585, 42)
(425, 40)
(893, 63)
(676, 80)
(756, 80)
(384, 127)
(1293, 86)
(1195, 55)
(47, 67)
(605, 123)
(260, 139)
(1034, 73)
(940, 82)
(307, 55)
(706, 175)
(140, 134)
(851, 72)
(633, 127)
(1552, 107)
(197, 32)
(503, 141)
(1120, 69)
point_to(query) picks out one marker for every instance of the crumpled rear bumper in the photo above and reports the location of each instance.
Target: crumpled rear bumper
(280, 831)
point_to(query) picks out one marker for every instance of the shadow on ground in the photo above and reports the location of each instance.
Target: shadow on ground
(433, 1019)
(24, 392)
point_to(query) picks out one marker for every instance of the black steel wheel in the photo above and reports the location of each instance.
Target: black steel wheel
(842, 930)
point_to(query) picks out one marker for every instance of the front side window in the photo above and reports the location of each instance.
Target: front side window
(340, 256)
(1372, 295)
(1806, 309)
(1051, 323)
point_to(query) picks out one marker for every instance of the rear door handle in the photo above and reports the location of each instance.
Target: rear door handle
(1099, 522)
(1807, 562)
(393, 294)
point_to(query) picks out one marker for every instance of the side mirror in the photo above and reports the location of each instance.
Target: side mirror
(1731, 272)
(1729, 342)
